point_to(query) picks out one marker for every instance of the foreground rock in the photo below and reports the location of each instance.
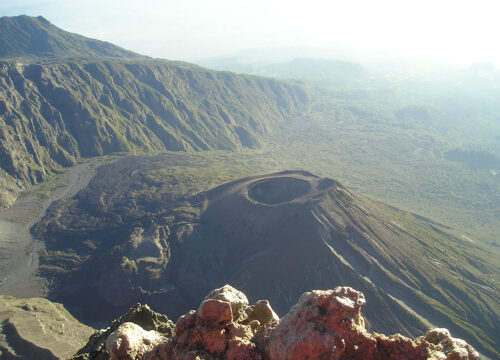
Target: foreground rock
(129, 337)
(322, 325)
(36, 328)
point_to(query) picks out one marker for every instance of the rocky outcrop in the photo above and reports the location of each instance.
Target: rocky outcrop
(130, 341)
(130, 334)
(322, 325)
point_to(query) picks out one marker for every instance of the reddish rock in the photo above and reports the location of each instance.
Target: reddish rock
(215, 341)
(213, 313)
(400, 347)
(185, 321)
(322, 325)
(189, 338)
(230, 295)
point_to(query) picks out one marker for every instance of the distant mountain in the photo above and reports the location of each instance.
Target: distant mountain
(273, 236)
(52, 114)
(317, 70)
(321, 71)
(30, 37)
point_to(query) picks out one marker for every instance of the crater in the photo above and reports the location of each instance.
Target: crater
(279, 190)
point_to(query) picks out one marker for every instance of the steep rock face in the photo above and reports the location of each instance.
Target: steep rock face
(322, 325)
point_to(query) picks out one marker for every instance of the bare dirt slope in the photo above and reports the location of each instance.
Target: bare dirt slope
(18, 249)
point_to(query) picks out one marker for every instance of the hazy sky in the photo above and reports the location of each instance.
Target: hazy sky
(457, 31)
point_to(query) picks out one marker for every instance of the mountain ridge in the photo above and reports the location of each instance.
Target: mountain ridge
(54, 113)
(33, 38)
(315, 70)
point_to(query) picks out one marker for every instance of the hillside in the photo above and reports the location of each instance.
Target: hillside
(273, 236)
(33, 38)
(421, 136)
(53, 114)
(387, 133)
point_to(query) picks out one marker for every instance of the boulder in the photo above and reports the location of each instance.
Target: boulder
(228, 294)
(452, 348)
(130, 342)
(323, 324)
(141, 315)
(262, 312)
(213, 313)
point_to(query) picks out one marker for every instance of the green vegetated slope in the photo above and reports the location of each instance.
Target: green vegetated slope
(52, 114)
(404, 163)
(29, 37)
(152, 230)
(418, 136)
